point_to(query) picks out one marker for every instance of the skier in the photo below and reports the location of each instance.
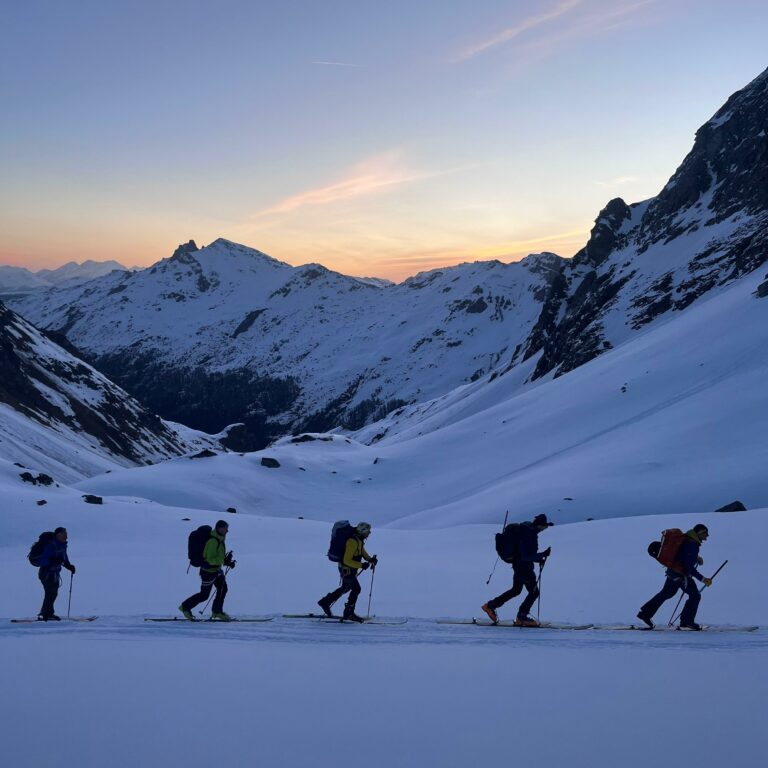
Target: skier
(215, 555)
(349, 567)
(523, 572)
(52, 558)
(682, 577)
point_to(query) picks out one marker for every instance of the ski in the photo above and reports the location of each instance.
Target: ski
(63, 618)
(320, 617)
(704, 628)
(489, 623)
(182, 620)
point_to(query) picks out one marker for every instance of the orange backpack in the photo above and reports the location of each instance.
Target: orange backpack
(666, 550)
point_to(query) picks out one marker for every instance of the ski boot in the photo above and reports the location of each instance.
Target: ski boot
(187, 614)
(326, 606)
(491, 613)
(645, 619)
(690, 627)
(221, 616)
(526, 621)
(350, 615)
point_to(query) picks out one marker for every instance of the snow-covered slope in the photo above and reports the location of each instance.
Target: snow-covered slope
(673, 418)
(59, 415)
(129, 688)
(249, 338)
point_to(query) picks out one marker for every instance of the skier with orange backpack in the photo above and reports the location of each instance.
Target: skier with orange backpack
(680, 553)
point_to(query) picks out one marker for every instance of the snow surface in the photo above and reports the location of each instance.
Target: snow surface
(122, 692)
(672, 419)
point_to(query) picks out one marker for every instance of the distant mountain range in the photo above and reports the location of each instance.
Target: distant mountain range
(18, 281)
(227, 334)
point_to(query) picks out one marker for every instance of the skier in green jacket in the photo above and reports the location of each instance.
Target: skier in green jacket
(215, 556)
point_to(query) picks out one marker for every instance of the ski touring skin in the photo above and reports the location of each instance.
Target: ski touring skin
(488, 623)
(319, 617)
(182, 620)
(54, 622)
(704, 628)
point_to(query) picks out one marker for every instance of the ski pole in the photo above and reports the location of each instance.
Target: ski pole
(538, 598)
(69, 604)
(496, 562)
(675, 618)
(228, 569)
(370, 592)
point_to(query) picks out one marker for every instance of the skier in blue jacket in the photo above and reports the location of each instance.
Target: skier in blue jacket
(52, 559)
(682, 576)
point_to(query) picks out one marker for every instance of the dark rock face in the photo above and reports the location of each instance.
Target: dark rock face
(270, 463)
(90, 498)
(184, 250)
(41, 479)
(723, 181)
(734, 506)
(206, 401)
(122, 426)
(204, 454)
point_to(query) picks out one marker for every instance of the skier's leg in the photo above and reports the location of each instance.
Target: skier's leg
(50, 582)
(354, 592)
(206, 584)
(671, 585)
(533, 592)
(517, 588)
(221, 593)
(688, 616)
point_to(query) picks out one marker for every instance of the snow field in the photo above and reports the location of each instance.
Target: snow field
(296, 693)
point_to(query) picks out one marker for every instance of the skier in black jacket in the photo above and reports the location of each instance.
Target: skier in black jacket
(524, 574)
(682, 577)
(52, 558)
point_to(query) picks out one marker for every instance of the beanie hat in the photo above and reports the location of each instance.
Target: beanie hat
(541, 521)
(222, 524)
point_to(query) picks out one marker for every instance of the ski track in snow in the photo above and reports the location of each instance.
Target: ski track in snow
(415, 632)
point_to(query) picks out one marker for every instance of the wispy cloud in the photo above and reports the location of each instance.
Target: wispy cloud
(593, 21)
(510, 33)
(373, 175)
(339, 64)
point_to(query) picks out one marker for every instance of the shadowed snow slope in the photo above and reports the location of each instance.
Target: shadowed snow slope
(669, 420)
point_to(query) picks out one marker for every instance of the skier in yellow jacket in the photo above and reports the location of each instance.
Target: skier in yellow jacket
(349, 568)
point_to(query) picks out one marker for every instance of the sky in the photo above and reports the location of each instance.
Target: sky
(379, 139)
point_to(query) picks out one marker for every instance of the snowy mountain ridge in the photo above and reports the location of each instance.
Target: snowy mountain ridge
(234, 335)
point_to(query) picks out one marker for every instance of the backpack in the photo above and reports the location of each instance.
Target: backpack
(36, 550)
(196, 544)
(508, 542)
(666, 550)
(341, 533)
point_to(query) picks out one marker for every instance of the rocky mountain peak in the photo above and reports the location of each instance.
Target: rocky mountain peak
(183, 252)
(604, 235)
(725, 172)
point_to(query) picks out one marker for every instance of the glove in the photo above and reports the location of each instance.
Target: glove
(699, 561)
(707, 582)
(546, 553)
(229, 561)
(70, 568)
(374, 561)
(365, 566)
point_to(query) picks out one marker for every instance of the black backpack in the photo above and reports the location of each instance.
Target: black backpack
(196, 544)
(36, 550)
(508, 542)
(341, 532)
